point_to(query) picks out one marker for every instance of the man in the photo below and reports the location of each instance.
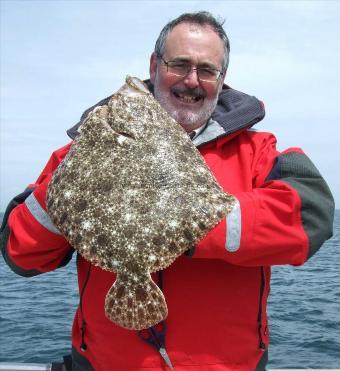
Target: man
(217, 294)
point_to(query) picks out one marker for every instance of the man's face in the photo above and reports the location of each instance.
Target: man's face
(187, 99)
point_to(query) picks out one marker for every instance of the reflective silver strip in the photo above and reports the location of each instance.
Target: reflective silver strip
(40, 214)
(233, 237)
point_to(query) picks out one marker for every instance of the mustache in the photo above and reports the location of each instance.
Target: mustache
(195, 92)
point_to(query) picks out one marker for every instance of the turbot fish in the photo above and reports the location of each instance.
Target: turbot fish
(133, 194)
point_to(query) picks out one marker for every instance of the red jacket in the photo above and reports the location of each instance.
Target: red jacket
(217, 295)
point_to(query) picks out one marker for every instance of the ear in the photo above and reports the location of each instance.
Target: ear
(221, 82)
(153, 67)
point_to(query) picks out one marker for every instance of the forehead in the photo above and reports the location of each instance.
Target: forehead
(199, 43)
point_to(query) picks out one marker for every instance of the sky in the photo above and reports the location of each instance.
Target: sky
(60, 57)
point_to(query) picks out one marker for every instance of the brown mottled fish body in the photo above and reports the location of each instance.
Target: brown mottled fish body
(133, 194)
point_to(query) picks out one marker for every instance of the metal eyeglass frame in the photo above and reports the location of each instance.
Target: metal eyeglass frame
(197, 69)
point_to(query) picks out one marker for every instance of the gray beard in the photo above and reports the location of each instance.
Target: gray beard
(187, 118)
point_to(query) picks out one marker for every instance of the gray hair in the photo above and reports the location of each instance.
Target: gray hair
(201, 18)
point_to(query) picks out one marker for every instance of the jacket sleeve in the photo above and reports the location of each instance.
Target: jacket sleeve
(284, 219)
(30, 243)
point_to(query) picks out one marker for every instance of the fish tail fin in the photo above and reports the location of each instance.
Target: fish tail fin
(135, 305)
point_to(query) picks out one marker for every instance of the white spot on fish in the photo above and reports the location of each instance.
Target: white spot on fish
(87, 225)
(121, 139)
(68, 194)
(152, 258)
(173, 224)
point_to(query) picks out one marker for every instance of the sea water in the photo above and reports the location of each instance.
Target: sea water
(304, 312)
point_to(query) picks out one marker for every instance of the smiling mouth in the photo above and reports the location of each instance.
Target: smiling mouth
(190, 99)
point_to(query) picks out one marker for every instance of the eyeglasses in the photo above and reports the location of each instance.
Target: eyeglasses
(182, 68)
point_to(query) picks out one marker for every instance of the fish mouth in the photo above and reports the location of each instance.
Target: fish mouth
(126, 135)
(123, 137)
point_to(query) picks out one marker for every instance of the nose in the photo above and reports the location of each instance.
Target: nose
(191, 80)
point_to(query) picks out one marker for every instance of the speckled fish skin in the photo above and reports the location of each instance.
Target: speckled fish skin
(133, 194)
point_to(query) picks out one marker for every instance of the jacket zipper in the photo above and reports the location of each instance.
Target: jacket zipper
(83, 345)
(262, 345)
